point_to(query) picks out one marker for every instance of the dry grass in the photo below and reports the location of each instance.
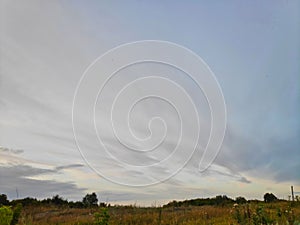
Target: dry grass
(278, 213)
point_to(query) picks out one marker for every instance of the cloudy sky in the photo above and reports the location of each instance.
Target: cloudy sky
(252, 47)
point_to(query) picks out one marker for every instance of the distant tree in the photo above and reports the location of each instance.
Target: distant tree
(240, 200)
(102, 204)
(25, 201)
(3, 200)
(222, 200)
(46, 201)
(90, 200)
(57, 200)
(77, 204)
(270, 197)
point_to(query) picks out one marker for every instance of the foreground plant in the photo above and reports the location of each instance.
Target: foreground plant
(101, 218)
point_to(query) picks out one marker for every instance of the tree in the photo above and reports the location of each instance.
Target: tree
(270, 197)
(240, 200)
(77, 204)
(222, 200)
(90, 200)
(3, 200)
(57, 200)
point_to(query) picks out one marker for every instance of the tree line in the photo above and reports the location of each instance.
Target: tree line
(89, 200)
(219, 200)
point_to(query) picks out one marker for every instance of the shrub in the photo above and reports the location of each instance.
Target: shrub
(101, 218)
(242, 214)
(240, 200)
(6, 215)
(262, 217)
(16, 214)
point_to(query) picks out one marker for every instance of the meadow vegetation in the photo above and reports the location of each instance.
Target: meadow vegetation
(217, 210)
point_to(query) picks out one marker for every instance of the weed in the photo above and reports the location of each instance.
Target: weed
(101, 218)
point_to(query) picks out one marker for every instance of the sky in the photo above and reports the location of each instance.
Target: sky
(252, 47)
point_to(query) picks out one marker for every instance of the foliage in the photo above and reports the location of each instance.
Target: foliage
(223, 200)
(218, 200)
(270, 197)
(290, 215)
(3, 200)
(242, 214)
(25, 201)
(159, 216)
(9, 216)
(262, 217)
(6, 215)
(57, 200)
(101, 218)
(266, 214)
(240, 200)
(16, 214)
(218, 210)
(90, 200)
(77, 204)
(281, 213)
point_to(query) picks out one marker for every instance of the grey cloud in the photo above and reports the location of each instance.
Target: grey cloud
(9, 150)
(17, 177)
(240, 154)
(225, 172)
(270, 159)
(281, 167)
(244, 180)
(69, 166)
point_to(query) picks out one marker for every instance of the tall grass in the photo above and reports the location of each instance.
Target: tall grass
(252, 213)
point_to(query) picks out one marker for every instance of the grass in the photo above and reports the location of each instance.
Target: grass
(253, 213)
